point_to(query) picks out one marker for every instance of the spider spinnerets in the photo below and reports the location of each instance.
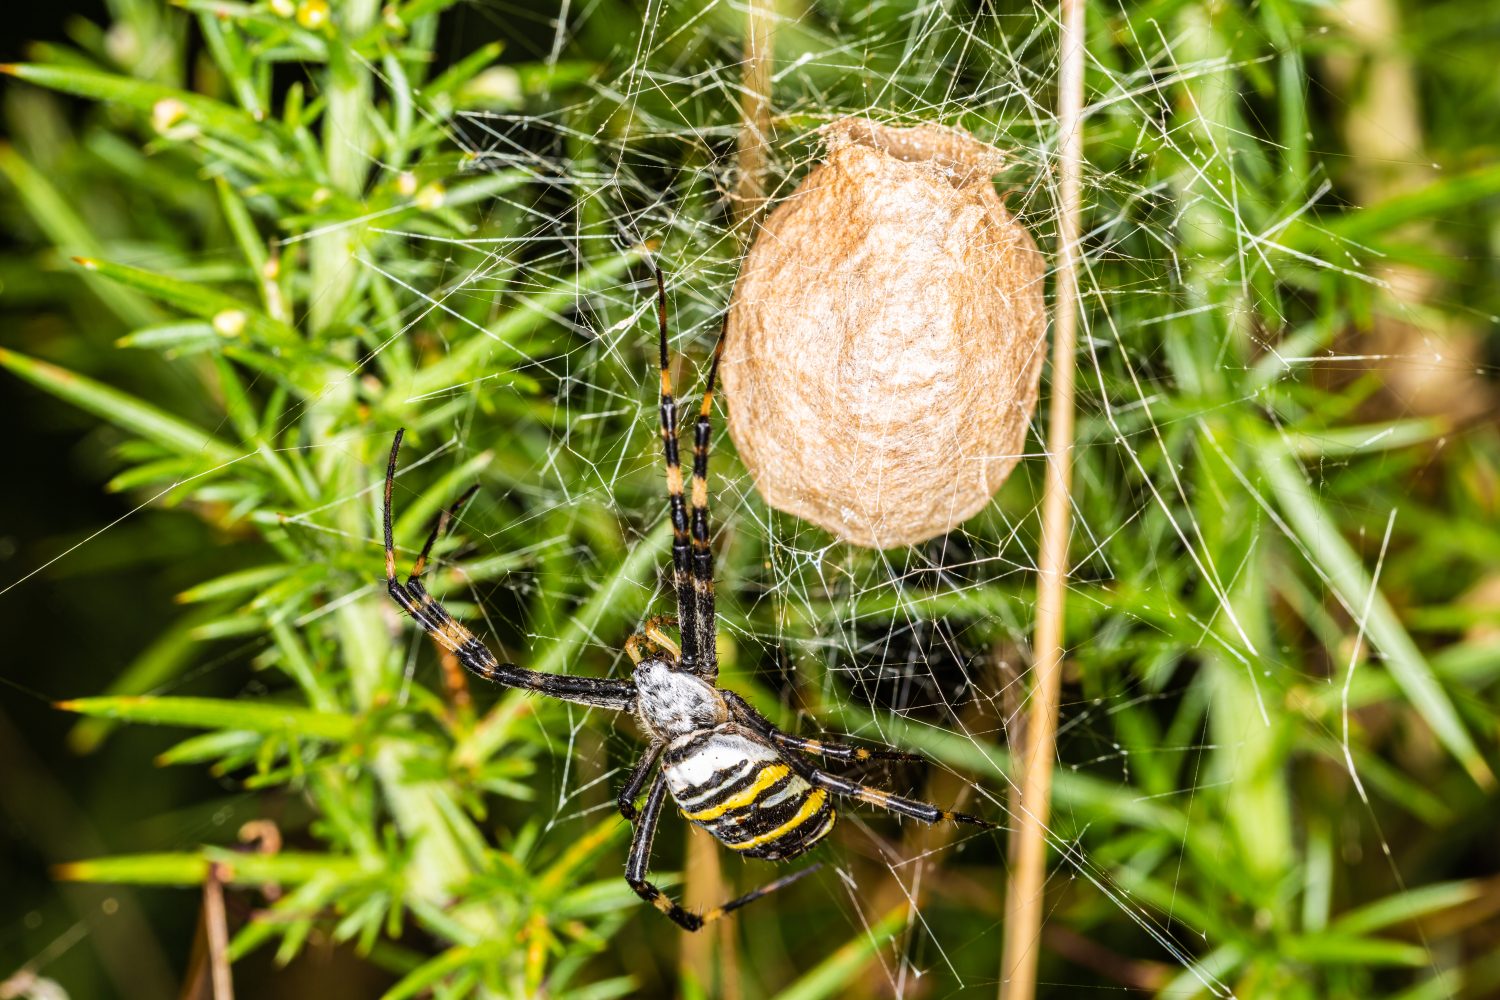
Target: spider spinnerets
(728, 769)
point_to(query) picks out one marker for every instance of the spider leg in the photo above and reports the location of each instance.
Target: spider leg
(439, 526)
(682, 580)
(453, 676)
(703, 555)
(598, 692)
(916, 809)
(640, 858)
(845, 752)
(637, 781)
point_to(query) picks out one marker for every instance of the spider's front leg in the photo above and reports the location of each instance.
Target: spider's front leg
(637, 781)
(448, 632)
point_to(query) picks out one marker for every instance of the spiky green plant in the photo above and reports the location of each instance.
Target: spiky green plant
(276, 290)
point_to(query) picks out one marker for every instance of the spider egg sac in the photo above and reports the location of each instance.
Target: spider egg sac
(885, 338)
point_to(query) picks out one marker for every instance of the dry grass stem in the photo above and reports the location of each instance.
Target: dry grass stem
(1024, 901)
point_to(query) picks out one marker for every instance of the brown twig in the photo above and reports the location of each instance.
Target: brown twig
(208, 976)
(1024, 900)
(216, 924)
(707, 887)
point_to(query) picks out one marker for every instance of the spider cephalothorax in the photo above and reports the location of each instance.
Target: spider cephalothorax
(728, 769)
(724, 772)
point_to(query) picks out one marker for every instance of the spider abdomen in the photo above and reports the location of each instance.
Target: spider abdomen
(739, 788)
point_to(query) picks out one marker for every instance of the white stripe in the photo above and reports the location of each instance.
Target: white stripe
(690, 804)
(794, 787)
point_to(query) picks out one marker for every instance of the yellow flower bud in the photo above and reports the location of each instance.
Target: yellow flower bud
(313, 14)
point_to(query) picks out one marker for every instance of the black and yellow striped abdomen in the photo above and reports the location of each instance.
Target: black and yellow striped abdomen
(738, 788)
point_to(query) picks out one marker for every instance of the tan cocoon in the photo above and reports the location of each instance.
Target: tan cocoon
(885, 338)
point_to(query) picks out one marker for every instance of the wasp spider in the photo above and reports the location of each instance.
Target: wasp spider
(728, 769)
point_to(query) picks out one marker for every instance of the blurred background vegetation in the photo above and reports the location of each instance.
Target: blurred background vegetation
(244, 241)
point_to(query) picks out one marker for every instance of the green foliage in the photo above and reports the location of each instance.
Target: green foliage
(305, 212)
(282, 251)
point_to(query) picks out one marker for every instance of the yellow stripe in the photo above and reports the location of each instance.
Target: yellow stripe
(809, 808)
(768, 776)
(823, 832)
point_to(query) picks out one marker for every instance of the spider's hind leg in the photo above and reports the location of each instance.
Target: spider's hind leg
(828, 749)
(640, 858)
(900, 805)
(449, 633)
(840, 751)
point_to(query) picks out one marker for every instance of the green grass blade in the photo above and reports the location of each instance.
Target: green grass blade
(181, 337)
(432, 972)
(228, 314)
(120, 409)
(217, 713)
(212, 116)
(242, 226)
(1366, 438)
(1084, 792)
(164, 658)
(211, 746)
(1422, 204)
(834, 976)
(1408, 906)
(192, 869)
(1337, 949)
(236, 584)
(1327, 549)
(50, 210)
